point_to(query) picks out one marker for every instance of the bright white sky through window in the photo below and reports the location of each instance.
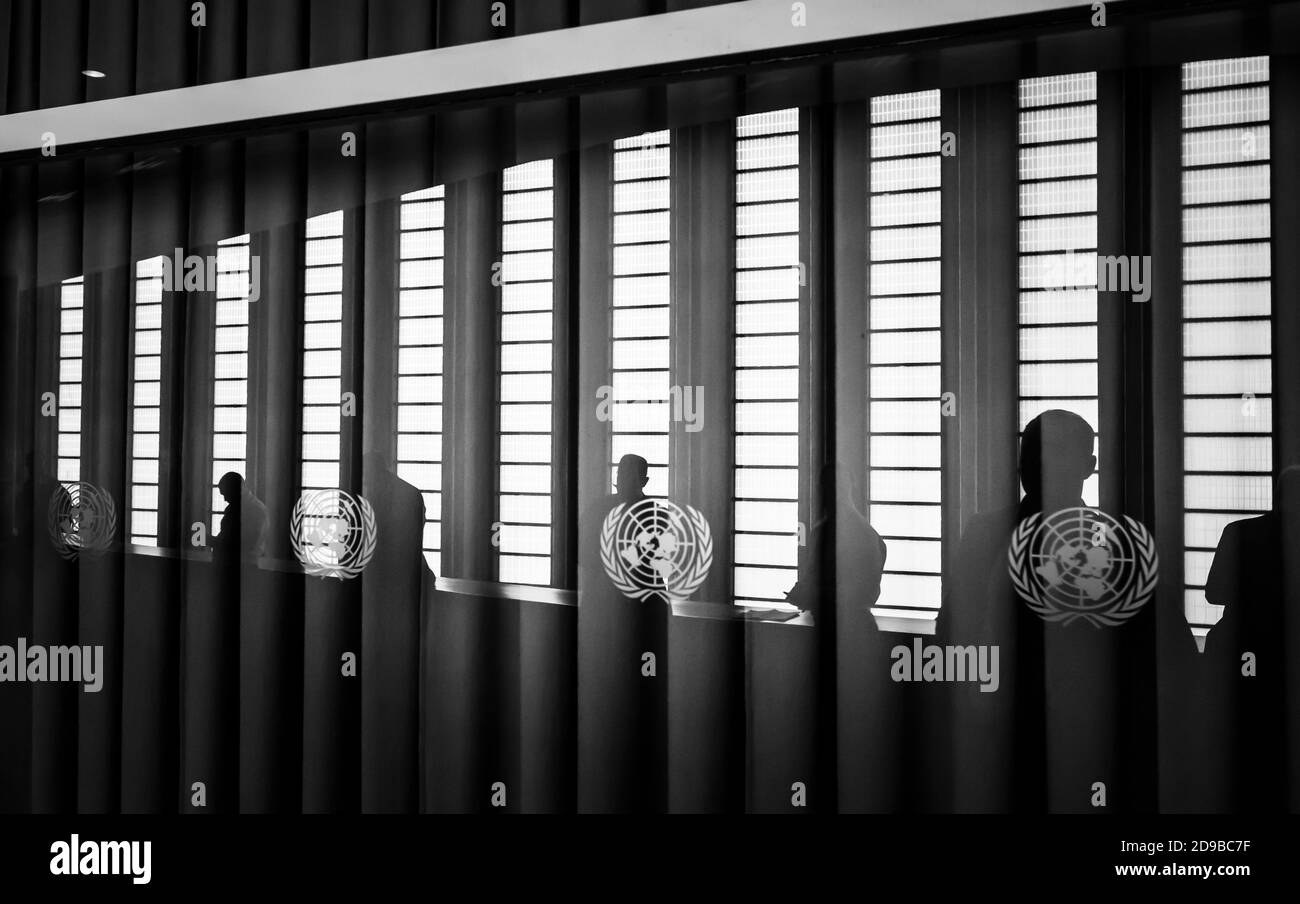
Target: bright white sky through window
(1227, 311)
(905, 480)
(766, 485)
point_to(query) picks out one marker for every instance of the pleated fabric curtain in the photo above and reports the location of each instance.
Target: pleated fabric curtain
(227, 688)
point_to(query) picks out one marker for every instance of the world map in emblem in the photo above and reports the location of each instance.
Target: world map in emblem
(1083, 564)
(656, 547)
(334, 533)
(81, 518)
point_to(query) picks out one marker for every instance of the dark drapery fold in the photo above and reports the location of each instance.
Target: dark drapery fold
(862, 720)
(107, 297)
(701, 681)
(1285, 76)
(994, 753)
(20, 418)
(393, 585)
(55, 580)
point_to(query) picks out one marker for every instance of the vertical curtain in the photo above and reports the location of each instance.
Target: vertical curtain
(225, 688)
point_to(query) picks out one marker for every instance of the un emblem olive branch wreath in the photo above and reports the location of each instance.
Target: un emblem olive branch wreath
(1139, 589)
(1018, 566)
(352, 565)
(700, 562)
(609, 557)
(679, 586)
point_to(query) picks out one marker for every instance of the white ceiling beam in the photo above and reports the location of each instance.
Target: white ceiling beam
(611, 48)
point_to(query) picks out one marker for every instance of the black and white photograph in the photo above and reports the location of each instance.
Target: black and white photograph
(880, 411)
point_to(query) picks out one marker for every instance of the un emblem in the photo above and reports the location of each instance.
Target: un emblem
(656, 547)
(1081, 563)
(333, 533)
(81, 518)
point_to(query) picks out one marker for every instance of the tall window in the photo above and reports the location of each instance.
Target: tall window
(905, 382)
(419, 358)
(322, 351)
(1058, 250)
(1227, 310)
(527, 321)
(641, 411)
(70, 352)
(146, 400)
(767, 357)
(230, 367)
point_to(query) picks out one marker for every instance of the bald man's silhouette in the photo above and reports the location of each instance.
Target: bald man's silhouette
(631, 769)
(629, 489)
(242, 533)
(633, 475)
(999, 746)
(1055, 461)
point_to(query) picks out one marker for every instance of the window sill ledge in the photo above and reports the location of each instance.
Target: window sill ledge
(905, 621)
(199, 554)
(732, 612)
(523, 592)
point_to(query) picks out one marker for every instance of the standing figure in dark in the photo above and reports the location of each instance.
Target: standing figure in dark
(623, 714)
(1255, 576)
(393, 588)
(1075, 701)
(242, 536)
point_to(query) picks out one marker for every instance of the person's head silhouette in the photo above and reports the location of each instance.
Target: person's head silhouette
(230, 486)
(633, 474)
(1055, 459)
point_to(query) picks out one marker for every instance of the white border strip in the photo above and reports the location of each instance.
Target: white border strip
(747, 27)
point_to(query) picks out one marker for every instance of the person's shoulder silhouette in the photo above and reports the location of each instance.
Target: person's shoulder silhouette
(863, 564)
(1251, 575)
(399, 516)
(1255, 576)
(242, 530)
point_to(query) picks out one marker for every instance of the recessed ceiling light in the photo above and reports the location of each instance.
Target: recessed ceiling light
(92, 73)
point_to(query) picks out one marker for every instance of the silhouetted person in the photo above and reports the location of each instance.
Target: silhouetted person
(629, 489)
(1256, 578)
(218, 604)
(861, 717)
(1055, 461)
(633, 475)
(1002, 741)
(393, 588)
(860, 562)
(242, 534)
(624, 713)
(399, 518)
